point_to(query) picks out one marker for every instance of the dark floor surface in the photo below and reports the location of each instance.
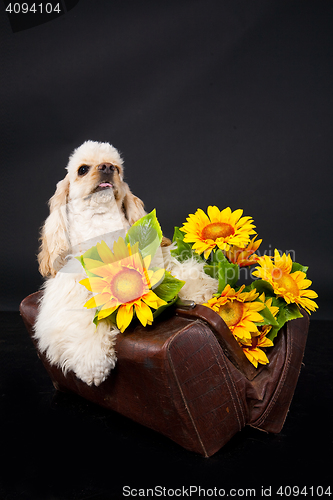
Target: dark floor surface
(59, 447)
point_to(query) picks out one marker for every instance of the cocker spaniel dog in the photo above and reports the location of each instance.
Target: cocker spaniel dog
(91, 203)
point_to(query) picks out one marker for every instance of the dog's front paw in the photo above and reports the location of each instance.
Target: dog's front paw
(95, 372)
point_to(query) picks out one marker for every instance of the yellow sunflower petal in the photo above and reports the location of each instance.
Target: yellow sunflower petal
(152, 300)
(243, 333)
(96, 285)
(156, 277)
(255, 306)
(213, 304)
(260, 356)
(207, 252)
(136, 261)
(221, 243)
(310, 294)
(249, 326)
(86, 283)
(147, 261)
(124, 317)
(144, 313)
(248, 296)
(190, 237)
(90, 304)
(235, 217)
(93, 265)
(255, 317)
(104, 313)
(97, 300)
(250, 357)
(213, 213)
(265, 342)
(104, 270)
(307, 304)
(283, 261)
(120, 249)
(225, 214)
(104, 252)
(133, 249)
(203, 218)
(300, 279)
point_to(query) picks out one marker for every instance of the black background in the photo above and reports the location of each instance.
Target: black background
(224, 102)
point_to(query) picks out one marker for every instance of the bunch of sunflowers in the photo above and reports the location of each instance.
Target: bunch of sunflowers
(128, 281)
(256, 312)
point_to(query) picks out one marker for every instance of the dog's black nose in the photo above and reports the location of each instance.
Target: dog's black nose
(107, 168)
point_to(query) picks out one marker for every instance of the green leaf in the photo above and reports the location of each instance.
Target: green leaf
(178, 234)
(299, 267)
(217, 256)
(147, 232)
(169, 288)
(162, 308)
(287, 312)
(223, 270)
(96, 320)
(92, 253)
(263, 287)
(228, 274)
(80, 259)
(268, 317)
(184, 250)
(111, 318)
(211, 270)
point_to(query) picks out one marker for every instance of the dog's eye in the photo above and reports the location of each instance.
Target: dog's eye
(83, 170)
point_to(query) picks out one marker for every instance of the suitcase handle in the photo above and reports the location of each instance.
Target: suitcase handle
(231, 348)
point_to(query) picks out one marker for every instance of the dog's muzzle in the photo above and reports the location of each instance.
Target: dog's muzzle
(106, 176)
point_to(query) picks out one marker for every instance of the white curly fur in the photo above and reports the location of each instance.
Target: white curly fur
(199, 287)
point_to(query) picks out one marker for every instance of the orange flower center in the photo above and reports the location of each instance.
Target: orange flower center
(127, 285)
(232, 312)
(284, 280)
(217, 230)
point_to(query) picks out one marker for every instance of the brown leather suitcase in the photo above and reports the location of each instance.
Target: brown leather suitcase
(186, 377)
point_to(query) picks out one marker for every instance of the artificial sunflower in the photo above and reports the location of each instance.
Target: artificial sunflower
(122, 280)
(291, 286)
(239, 310)
(253, 349)
(244, 256)
(217, 229)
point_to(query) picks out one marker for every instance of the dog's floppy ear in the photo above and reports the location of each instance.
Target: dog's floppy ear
(133, 206)
(54, 241)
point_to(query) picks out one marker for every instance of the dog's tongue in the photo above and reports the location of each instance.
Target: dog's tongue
(105, 184)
